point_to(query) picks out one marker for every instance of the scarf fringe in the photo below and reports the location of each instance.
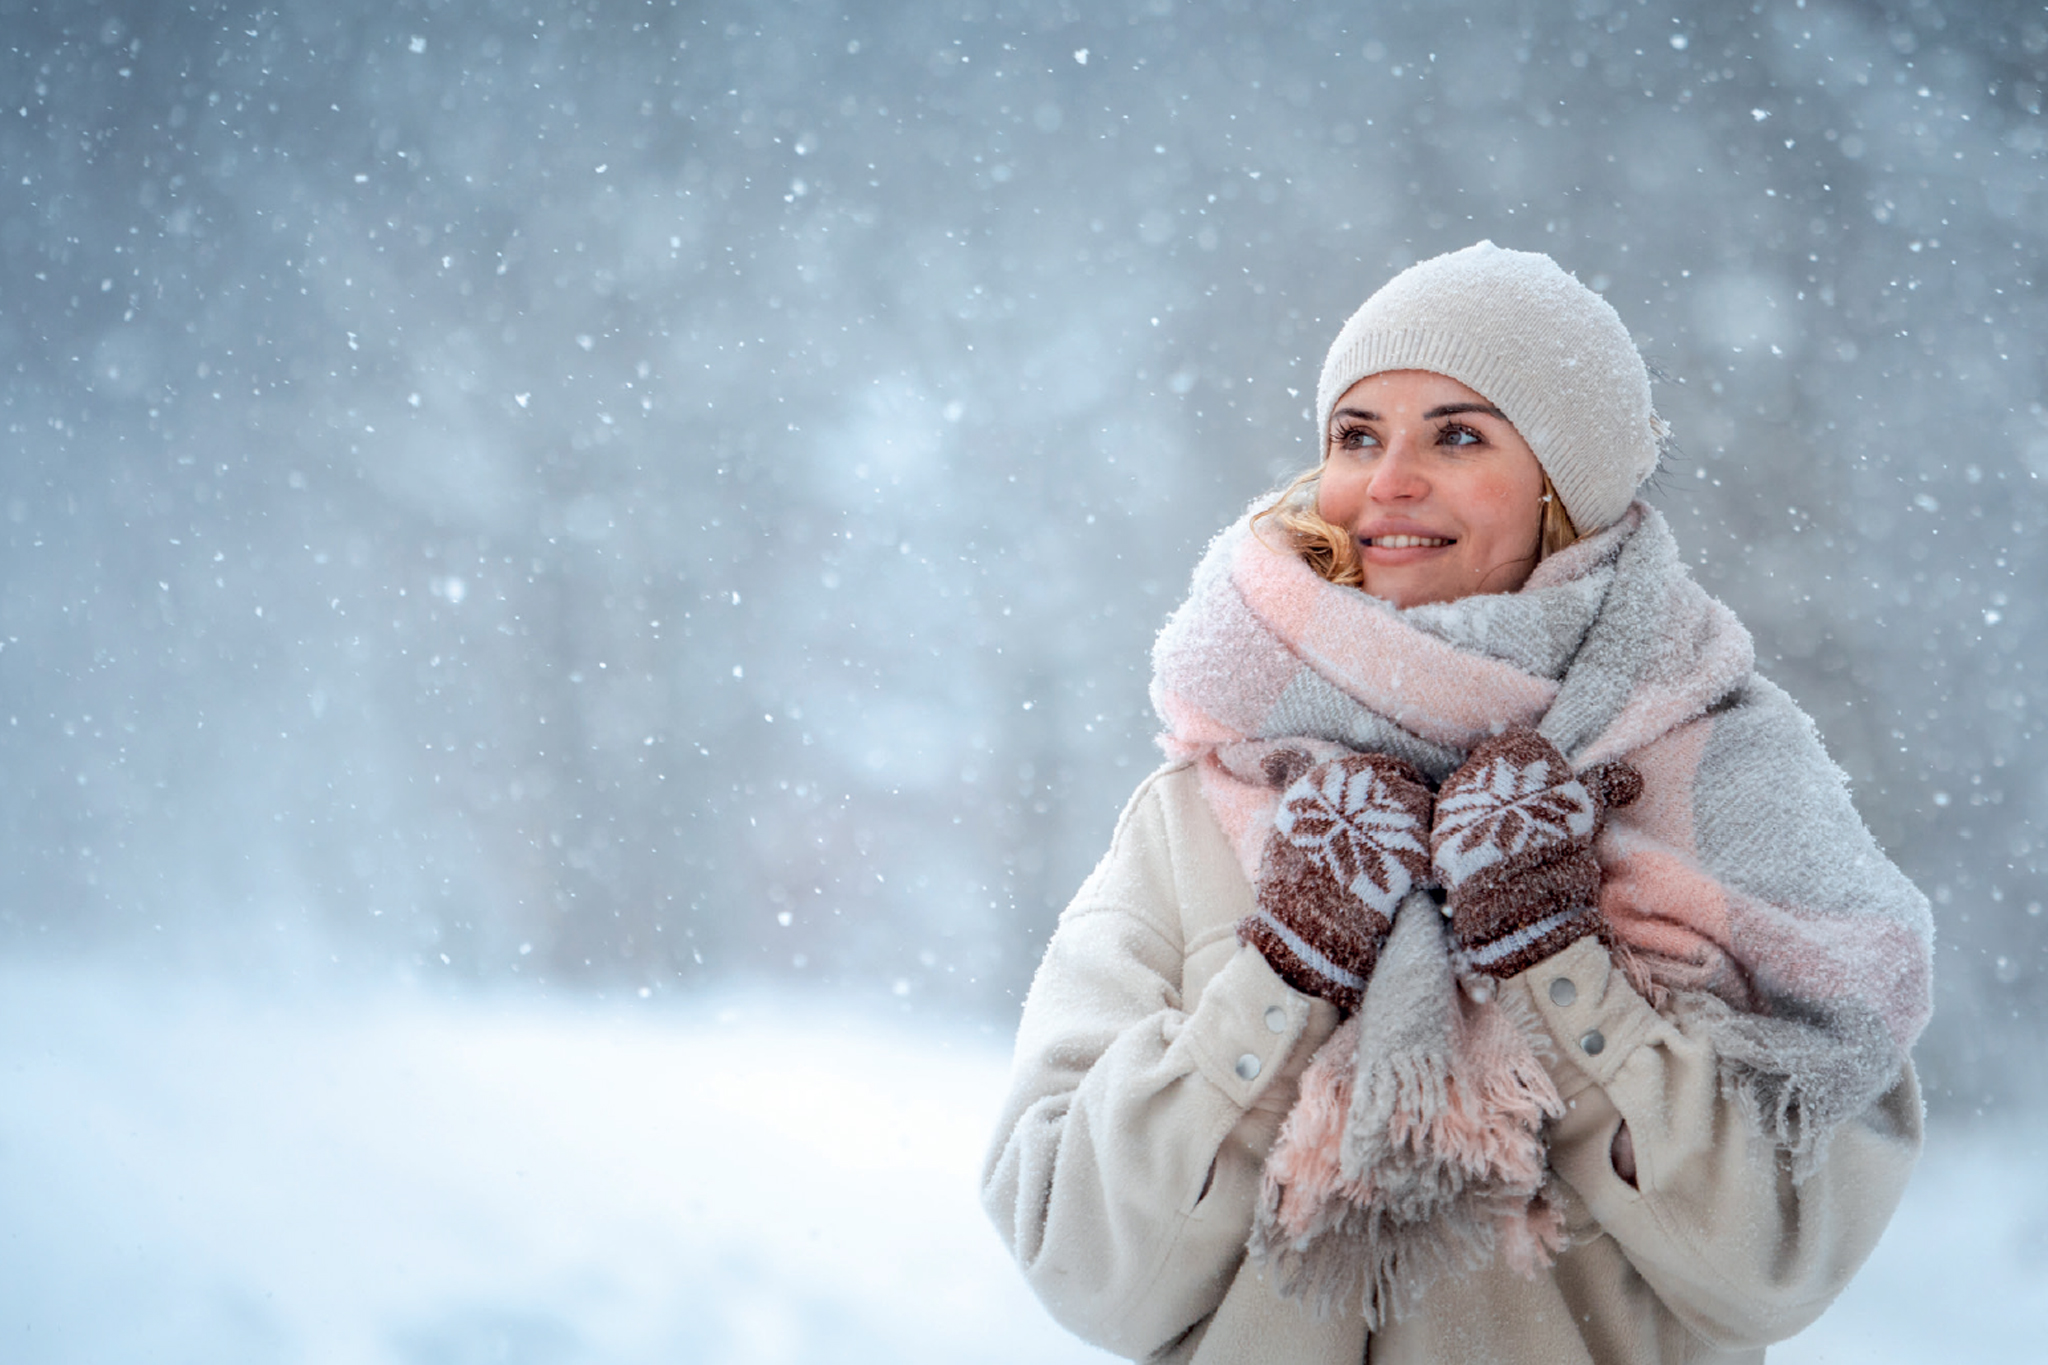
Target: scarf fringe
(1796, 1082)
(1454, 1176)
(1633, 967)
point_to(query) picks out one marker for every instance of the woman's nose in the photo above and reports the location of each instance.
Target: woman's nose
(1397, 476)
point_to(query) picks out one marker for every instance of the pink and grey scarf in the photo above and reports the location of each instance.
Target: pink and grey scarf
(1741, 891)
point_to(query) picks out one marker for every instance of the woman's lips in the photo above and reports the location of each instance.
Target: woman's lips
(1393, 549)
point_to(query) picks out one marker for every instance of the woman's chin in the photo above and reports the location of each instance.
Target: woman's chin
(1410, 589)
(1439, 579)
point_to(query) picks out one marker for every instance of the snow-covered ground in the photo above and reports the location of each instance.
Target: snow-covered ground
(213, 1176)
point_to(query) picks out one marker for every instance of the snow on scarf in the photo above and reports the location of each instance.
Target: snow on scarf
(1741, 892)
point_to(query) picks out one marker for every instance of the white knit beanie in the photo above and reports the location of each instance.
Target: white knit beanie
(1547, 351)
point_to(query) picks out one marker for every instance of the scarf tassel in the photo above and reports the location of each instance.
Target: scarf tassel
(1449, 1172)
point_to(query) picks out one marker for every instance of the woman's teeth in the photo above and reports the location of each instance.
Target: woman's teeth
(1407, 542)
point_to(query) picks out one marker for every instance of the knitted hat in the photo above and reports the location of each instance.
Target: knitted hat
(1547, 351)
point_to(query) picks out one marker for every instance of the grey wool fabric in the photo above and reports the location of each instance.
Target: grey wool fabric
(1789, 940)
(1745, 887)
(1409, 1213)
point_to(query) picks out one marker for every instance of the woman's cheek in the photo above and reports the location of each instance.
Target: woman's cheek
(1336, 496)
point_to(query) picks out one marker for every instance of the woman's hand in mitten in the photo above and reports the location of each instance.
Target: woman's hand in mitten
(1350, 839)
(1513, 845)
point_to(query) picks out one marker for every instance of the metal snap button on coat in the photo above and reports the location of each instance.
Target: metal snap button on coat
(1562, 991)
(1594, 1043)
(1248, 1067)
(1276, 1020)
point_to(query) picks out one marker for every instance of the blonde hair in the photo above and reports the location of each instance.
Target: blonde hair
(1332, 551)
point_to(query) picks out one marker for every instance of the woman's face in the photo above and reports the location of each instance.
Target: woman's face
(1442, 493)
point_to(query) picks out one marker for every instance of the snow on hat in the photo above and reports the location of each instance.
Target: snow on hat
(1547, 351)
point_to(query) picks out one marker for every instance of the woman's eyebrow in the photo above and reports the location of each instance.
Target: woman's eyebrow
(1447, 410)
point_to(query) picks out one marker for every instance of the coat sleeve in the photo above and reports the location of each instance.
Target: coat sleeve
(1714, 1223)
(1127, 1156)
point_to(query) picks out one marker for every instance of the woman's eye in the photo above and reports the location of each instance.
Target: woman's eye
(1353, 438)
(1458, 436)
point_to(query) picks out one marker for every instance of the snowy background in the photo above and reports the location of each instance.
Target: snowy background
(575, 583)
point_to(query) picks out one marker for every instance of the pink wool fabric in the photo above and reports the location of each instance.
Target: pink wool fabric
(1740, 890)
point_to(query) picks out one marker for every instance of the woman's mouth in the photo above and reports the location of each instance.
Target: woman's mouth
(1407, 542)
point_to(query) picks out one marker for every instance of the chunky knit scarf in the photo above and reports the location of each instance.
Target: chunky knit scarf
(1741, 893)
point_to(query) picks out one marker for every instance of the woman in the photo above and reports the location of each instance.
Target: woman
(1498, 970)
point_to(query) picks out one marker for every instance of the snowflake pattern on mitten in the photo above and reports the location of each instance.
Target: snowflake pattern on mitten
(1513, 845)
(1512, 799)
(1362, 823)
(1350, 839)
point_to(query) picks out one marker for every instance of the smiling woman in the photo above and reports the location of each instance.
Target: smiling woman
(1430, 489)
(1497, 970)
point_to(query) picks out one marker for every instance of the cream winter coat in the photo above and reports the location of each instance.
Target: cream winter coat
(1157, 1057)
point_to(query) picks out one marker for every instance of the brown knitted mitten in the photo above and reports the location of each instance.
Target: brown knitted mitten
(1513, 845)
(1350, 839)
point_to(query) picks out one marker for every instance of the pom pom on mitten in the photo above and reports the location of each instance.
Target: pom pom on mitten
(1350, 839)
(1513, 847)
